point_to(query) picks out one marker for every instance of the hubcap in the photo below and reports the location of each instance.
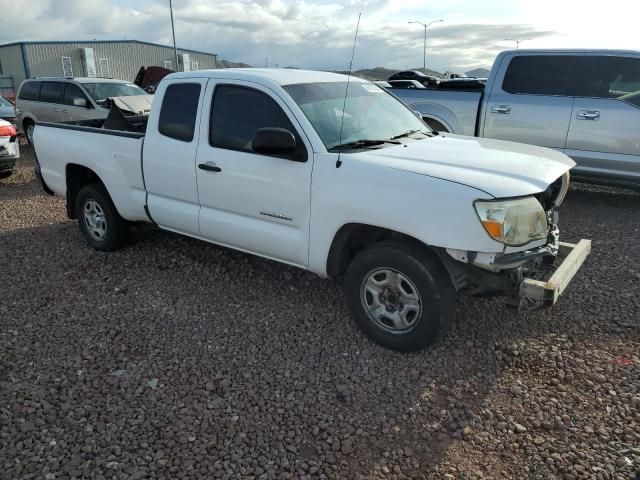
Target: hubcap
(391, 300)
(95, 220)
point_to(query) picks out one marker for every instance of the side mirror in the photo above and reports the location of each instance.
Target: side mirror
(274, 141)
(79, 102)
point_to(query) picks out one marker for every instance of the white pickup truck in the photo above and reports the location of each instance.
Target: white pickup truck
(283, 164)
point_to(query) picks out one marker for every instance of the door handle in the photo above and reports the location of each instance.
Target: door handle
(503, 109)
(588, 115)
(209, 167)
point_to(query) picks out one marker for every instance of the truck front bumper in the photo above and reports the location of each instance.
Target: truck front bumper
(531, 278)
(546, 291)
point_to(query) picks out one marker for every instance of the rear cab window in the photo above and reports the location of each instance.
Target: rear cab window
(538, 75)
(179, 111)
(29, 91)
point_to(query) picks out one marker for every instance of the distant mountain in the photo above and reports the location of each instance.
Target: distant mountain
(478, 73)
(229, 64)
(382, 73)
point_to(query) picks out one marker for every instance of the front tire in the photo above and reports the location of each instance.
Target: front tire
(99, 221)
(28, 131)
(400, 295)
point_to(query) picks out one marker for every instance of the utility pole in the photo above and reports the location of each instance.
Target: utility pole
(266, 63)
(424, 56)
(173, 33)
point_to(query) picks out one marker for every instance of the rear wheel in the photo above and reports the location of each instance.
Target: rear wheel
(400, 295)
(99, 221)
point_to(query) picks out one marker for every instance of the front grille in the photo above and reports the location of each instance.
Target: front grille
(548, 198)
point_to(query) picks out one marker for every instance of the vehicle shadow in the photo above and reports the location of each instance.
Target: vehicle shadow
(252, 357)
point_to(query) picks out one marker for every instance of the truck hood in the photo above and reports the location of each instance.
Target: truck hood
(136, 104)
(499, 168)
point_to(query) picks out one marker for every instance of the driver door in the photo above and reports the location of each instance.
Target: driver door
(250, 201)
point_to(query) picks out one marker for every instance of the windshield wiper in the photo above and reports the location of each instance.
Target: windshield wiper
(363, 143)
(407, 133)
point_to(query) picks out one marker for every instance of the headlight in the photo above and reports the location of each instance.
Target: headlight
(513, 222)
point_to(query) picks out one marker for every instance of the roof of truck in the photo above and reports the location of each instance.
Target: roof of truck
(589, 51)
(280, 76)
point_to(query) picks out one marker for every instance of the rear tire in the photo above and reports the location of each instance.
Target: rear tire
(400, 295)
(98, 219)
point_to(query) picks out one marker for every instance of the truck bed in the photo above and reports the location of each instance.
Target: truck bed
(112, 150)
(456, 110)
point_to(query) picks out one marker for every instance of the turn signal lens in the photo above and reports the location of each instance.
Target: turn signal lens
(8, 131)
(513, 222)
(494, 228)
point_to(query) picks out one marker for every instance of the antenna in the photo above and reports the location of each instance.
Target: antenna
(346, 93)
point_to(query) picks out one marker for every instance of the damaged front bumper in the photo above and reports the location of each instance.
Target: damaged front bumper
(545, 292)
(532, 278)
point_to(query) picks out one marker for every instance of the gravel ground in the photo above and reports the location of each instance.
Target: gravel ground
(173, 358)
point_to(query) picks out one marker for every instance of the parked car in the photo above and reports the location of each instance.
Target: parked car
(67, 99)
(418, 76)
(266, 161)
(7, 111)
(406, 84)
(584, 103)
(9, 148)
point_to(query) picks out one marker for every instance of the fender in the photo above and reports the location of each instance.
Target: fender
(440, 113)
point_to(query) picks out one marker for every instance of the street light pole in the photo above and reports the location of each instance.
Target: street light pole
(517, 41)
(424, 52)
(173, 33)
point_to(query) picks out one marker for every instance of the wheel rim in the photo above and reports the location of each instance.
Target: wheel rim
(391, 300)
(95, 220)
(30, 133)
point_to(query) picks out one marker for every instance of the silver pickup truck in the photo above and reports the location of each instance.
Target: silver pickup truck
(584, 103)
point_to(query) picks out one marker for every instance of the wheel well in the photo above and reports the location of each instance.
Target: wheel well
(26, 122)
(77, 177)
(435, 124)
(351, 239)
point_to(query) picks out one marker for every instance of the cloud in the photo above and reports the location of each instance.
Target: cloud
(302, 33)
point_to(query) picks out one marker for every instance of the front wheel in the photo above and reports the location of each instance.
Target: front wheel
(29, 132)
(400, 295)
(99, 221)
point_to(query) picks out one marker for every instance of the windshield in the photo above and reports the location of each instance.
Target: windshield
(101, 91)
(5, 103)
(370, 112)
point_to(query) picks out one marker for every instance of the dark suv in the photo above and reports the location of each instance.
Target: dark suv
(426, 80)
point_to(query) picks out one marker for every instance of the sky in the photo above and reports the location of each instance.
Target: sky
(318, 34)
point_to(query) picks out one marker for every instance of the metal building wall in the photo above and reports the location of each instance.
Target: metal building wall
(12, 64)
(124, 58)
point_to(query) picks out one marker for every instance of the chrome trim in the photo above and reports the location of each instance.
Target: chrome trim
(277, 215)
